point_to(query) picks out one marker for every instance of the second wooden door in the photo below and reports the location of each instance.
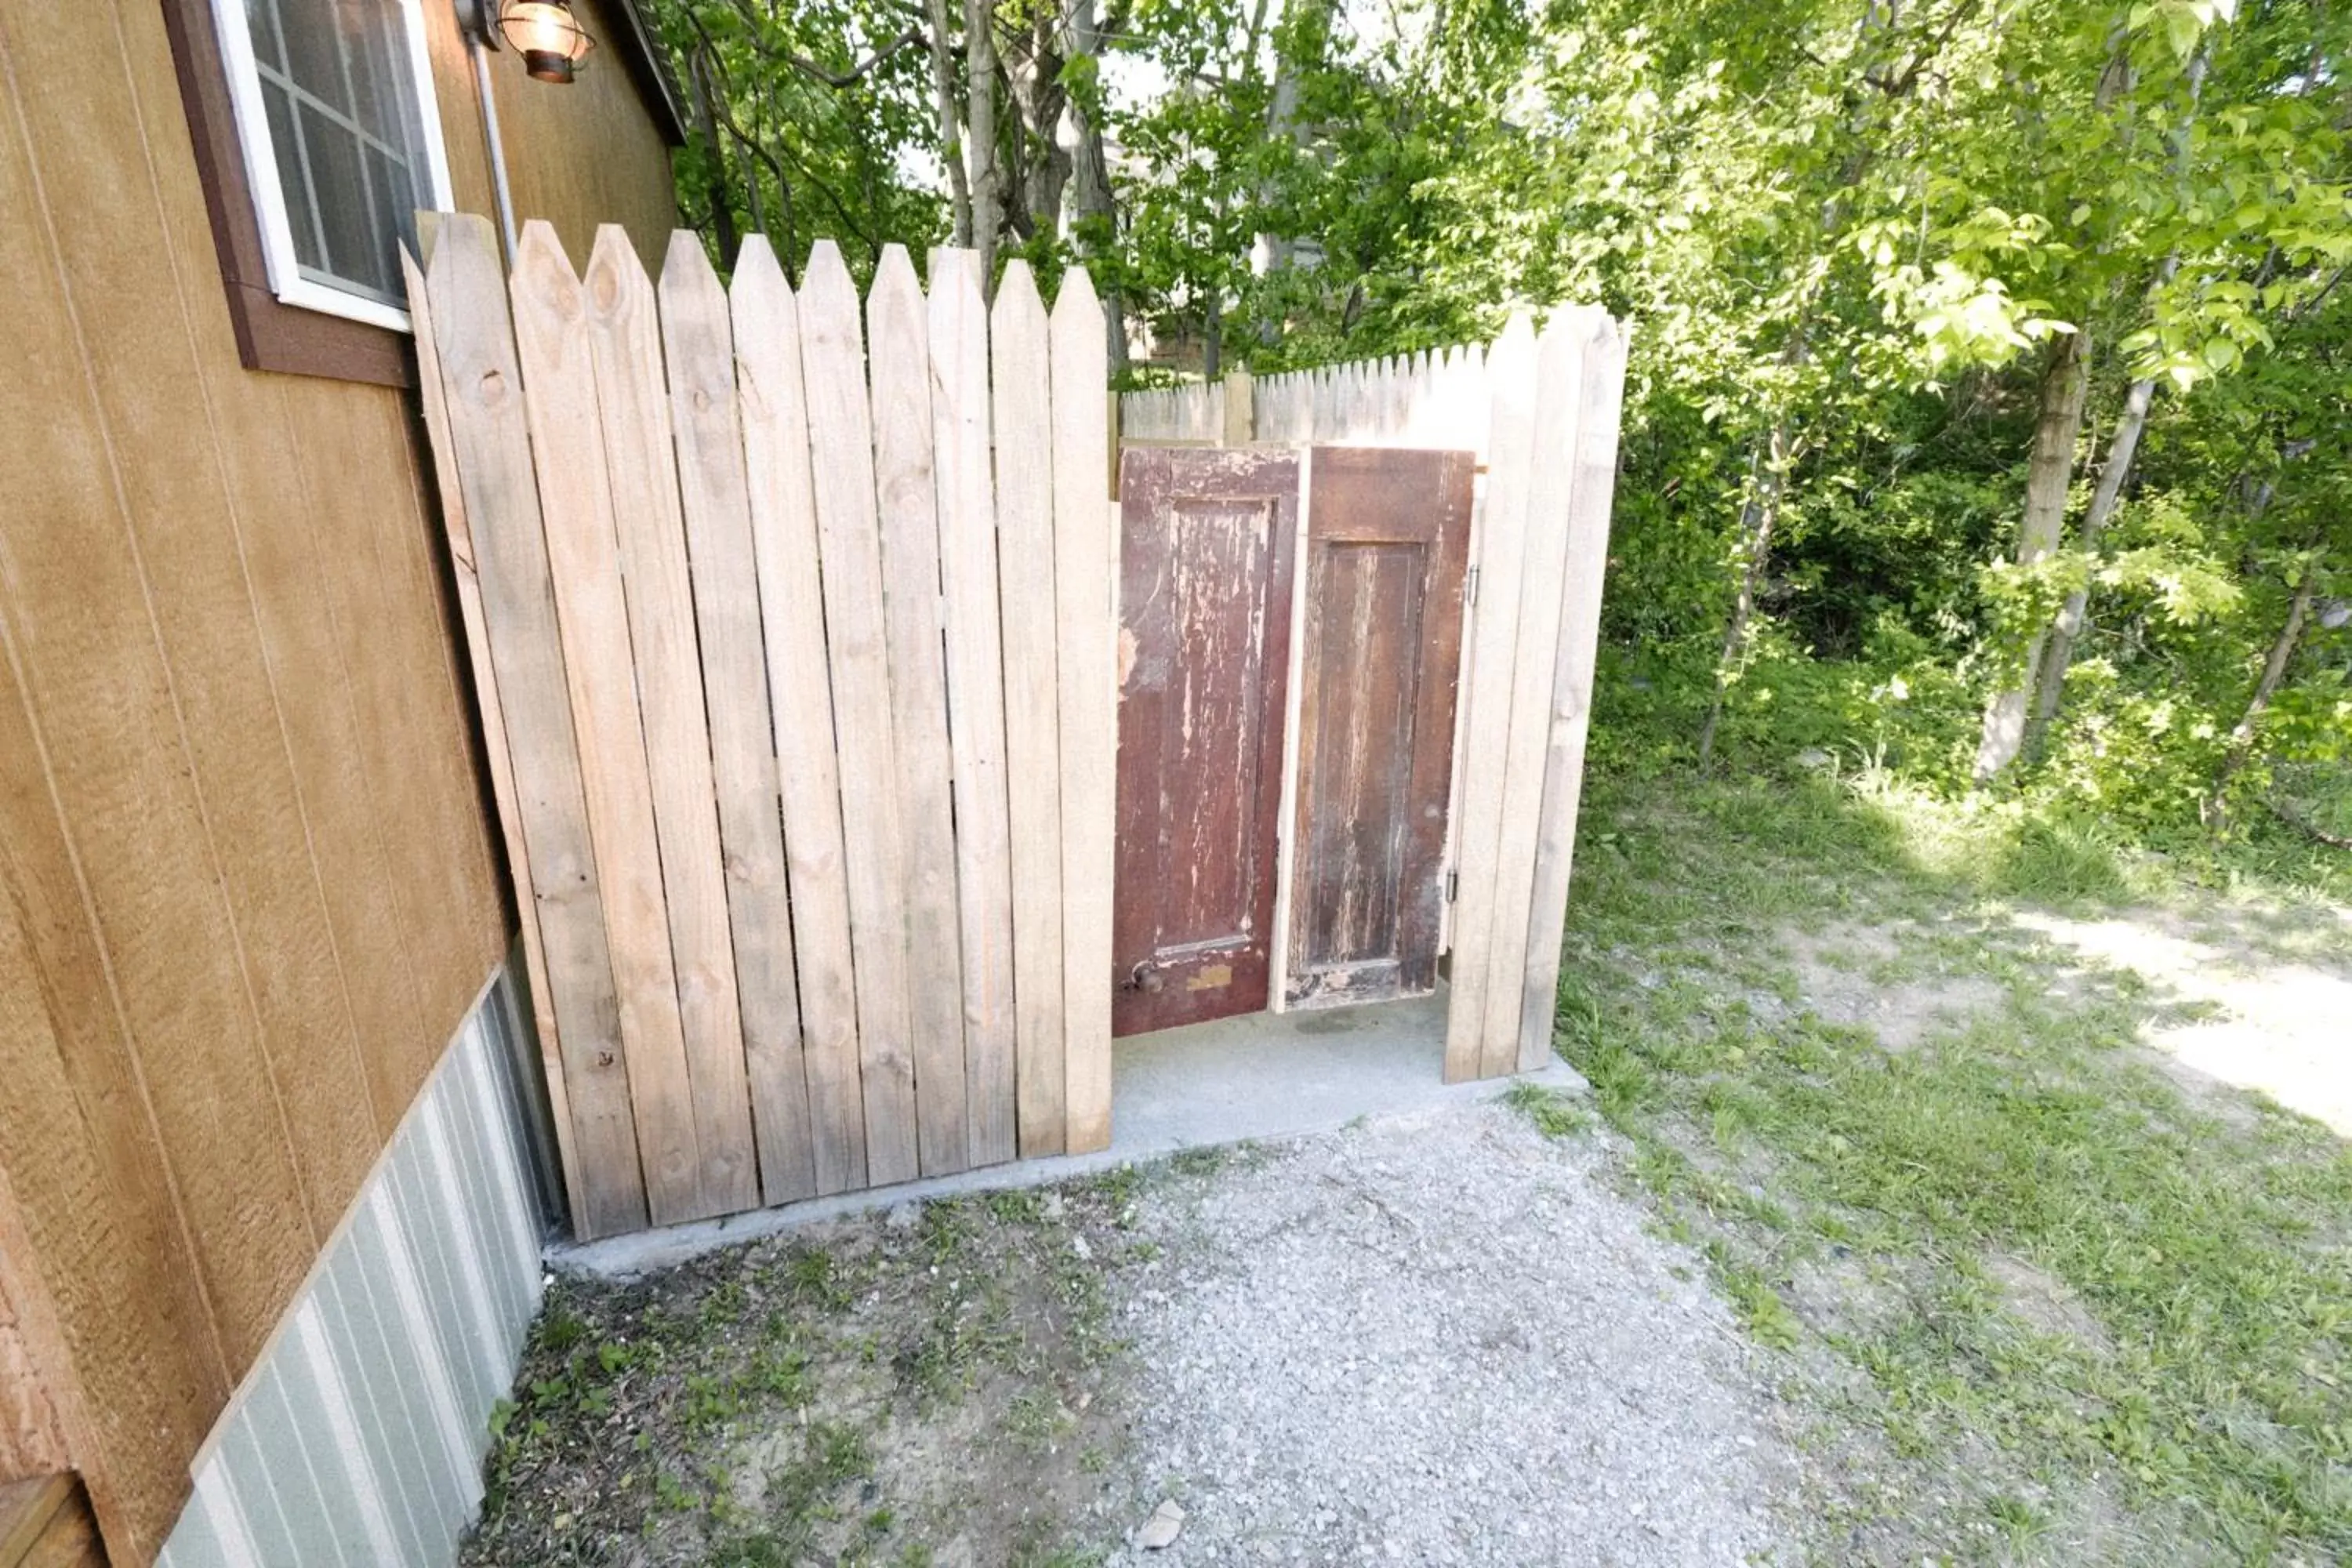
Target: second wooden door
(1388, 536)
(1206, 542)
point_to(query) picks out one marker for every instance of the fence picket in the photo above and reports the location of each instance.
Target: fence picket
(841, 446)
(698, 344)
(1537, 582)
(1593, 484)
(641, 463)
(1510, 381)
(467, 359)
(1086, 555)
(559, 380)
(967, 524)
(906, 489)
(1025, 523)
(785, 544)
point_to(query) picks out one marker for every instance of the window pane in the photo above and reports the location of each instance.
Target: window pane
(339, 180)
(352, 163)
(289, 153)
(260, 20)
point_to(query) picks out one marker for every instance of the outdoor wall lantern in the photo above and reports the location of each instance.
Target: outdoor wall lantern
(546, 34)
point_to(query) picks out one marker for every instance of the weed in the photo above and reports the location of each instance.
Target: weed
(1555, 1114)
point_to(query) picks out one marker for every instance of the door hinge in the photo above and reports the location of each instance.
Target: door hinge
(1470, 588)
(1453, 885)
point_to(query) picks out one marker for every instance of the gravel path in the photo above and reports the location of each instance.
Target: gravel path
(1440, 1341)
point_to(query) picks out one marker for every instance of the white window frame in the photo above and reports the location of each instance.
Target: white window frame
(286, 278)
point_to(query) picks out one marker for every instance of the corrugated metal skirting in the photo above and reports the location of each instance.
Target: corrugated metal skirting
(358, 1438)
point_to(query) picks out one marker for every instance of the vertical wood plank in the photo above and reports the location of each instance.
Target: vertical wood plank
(1024, 522)
(698, 344)
(1494, 639)
(1593, 482)
(625, 345)
(489, 455)
(1559, 354)
(1085, 554)
(466, 573)
(906, 493)
(968, 571)
(784, 541)
(841, 445)
(552, 340)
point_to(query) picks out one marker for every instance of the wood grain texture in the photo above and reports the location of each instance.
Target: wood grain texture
(467, 577)
(697, 342)
(641, 465)
(907, 495)
(778, 473)
(841, 445)
(1593, 483)
(1388, 543)
(1085, 565)
(1022, 406)
(975, 654)
(1543, 566)
(1493, 637)
(559, 382)
(490, 456)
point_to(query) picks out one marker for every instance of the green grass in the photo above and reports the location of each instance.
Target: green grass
(2213, 1401)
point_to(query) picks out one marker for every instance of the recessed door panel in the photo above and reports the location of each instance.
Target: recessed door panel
(1206, 547)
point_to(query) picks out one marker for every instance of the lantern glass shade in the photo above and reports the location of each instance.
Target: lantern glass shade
(546, 34)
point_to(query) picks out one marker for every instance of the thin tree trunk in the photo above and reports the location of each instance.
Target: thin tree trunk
(2241, 737)
(1756, 523)
(1092, 203)
(980, 118)
(2123, 447)
(722, 204)
(2047, 474)
(951, 135)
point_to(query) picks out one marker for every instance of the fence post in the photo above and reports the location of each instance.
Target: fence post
(1241, 425)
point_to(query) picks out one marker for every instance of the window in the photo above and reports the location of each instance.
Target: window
(334, 112)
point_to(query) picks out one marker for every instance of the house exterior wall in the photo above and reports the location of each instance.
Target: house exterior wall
(248, 882)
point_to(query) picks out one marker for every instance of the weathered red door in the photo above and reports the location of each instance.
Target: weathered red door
(1206, 542)
(1388, 535)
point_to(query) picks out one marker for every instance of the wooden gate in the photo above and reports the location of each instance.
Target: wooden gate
(793, 635)
(1207, 539)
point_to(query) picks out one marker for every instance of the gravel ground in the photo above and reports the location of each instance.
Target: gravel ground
(1440, 1341)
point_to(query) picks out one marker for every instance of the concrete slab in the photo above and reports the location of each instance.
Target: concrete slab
(1265, 1076)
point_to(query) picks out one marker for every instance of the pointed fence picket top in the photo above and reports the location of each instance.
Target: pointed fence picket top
(770, 597)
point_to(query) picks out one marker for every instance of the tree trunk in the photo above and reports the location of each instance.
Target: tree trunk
(2241, 737)
(980, 120)
(722, 203)
(1092, 205)
(951, 136)
(2047, 474)
(1756, 524)
(2123, 447)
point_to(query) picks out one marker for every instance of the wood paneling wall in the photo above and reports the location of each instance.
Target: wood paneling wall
(247, 883)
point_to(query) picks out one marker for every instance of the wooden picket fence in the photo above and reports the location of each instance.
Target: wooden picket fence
(1541, 413)
(793, 635)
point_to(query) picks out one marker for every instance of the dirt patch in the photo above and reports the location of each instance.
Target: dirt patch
(2045, 1303)
(1856, 975)
(933, 1386)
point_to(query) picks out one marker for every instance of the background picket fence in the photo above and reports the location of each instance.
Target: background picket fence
(1434, 399)
(720, 550)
